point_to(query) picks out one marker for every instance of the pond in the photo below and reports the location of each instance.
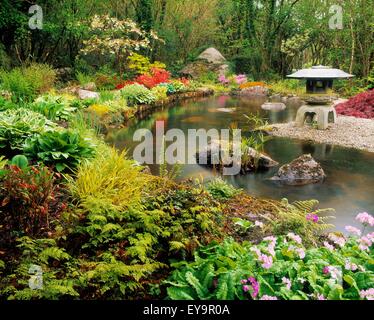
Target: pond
(348, 187)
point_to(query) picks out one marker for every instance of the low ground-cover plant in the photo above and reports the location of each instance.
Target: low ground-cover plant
(137, 94)
(61, 149)
(279, 268)
(16, 125)
(55, 108)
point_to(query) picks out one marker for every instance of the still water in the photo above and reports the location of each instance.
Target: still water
(349, 187)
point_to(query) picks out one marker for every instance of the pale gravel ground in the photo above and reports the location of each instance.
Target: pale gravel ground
(348, 132)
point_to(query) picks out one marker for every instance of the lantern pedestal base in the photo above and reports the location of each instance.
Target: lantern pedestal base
(321, 115)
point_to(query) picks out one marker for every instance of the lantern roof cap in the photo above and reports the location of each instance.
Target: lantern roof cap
(320, 72)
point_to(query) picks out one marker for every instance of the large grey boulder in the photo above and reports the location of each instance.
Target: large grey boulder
(301, 171)
(212, 55)
(211, 60)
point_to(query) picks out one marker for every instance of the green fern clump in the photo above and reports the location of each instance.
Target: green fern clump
(294, 217)
(215, 274)
(221, 190)
(53, 263)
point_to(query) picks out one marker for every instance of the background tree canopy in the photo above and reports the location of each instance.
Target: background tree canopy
(264, 38)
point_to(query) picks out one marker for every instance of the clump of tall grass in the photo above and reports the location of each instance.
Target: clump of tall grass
(110, 181)
(25, 83)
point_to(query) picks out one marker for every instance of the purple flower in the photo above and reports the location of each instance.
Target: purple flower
(370, 236)
(244, 281)
(272, 244)
(320, 297)
(266, 261)
(255, 286)
(326, 270)
(246, 288)
(312, 217)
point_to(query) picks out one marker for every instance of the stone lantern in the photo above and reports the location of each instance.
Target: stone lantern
(319, 80)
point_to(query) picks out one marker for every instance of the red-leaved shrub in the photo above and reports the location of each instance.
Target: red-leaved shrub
(29, 202)
(360, 106)
(156, 77)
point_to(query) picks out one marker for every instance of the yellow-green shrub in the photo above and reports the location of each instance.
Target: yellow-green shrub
(160, 93)
(142, 65)
(110, 180)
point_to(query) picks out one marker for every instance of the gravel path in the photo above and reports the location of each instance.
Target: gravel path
(348, 132)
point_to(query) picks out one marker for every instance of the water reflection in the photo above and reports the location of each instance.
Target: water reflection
(350, 173)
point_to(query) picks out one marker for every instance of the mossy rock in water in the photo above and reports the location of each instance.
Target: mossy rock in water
(301, 171)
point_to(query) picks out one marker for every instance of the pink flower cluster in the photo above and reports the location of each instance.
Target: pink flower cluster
(241, 78)
(265, 260)
(334, 272)
(353, 230)
(301, 253)
(350, 266)
(251, 282)
(295, 238)
(223, 80)
(338, 240)
(328, 246)
(287, 282)
(321, 297)
(366, 219)
(365, 242)
(272, 243)
(367, 294)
